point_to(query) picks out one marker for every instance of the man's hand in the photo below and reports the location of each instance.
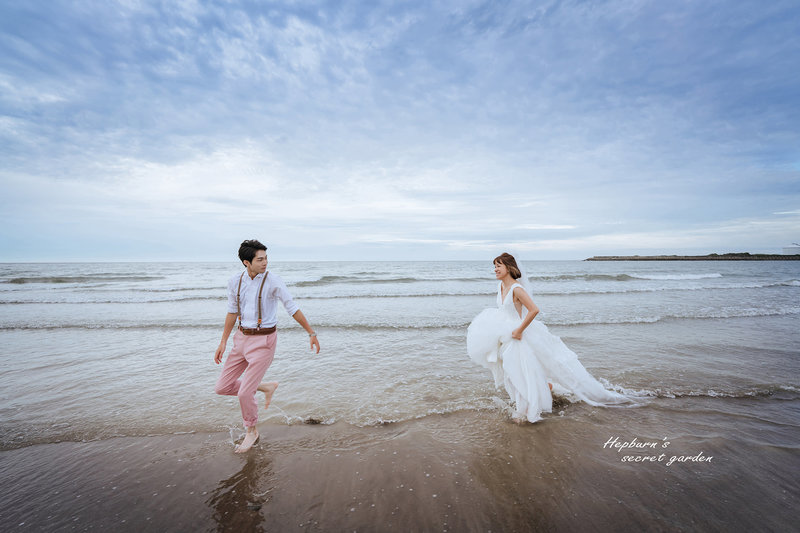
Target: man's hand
(219, 353)
(314, 342)
(230, 321)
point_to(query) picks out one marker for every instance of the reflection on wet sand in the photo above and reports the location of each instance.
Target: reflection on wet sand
(458, 472)
(237, 501)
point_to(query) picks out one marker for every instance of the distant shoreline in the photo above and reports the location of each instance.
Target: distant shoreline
(742, 256)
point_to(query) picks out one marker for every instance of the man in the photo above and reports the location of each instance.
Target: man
(253, 298)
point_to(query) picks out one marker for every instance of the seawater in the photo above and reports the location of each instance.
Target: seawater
(95, 350)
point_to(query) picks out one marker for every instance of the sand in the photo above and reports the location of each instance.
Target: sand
(459, 472)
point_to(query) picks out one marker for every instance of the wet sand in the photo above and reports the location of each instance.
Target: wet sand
(465, 471)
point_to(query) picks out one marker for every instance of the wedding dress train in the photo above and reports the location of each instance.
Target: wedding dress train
(524, 367)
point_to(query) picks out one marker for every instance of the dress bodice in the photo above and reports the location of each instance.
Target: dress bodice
(506, 305)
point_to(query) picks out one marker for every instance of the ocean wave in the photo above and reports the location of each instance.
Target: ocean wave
(632, 290)
(162, 326)
(390, 295)
(406, 326)
(220, 293)
(625, 277)
(755, 392)
(738, 313)
(329, 280)
(78, 279)
(471, 405)
(56, 327)
(542, 291)
(10, 439)
(676, 277)
(372, 279)
(487, 402)
(218, 288)
(116, 301)
(581, 277)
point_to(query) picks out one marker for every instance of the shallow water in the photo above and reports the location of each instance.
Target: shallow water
(97, 350)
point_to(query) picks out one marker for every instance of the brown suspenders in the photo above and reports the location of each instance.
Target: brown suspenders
(260, 290)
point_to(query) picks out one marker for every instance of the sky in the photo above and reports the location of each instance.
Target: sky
(408, 130)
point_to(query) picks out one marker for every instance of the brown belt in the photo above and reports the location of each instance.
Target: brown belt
(258, 331)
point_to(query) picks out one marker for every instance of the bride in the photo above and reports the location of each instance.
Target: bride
(523, 355)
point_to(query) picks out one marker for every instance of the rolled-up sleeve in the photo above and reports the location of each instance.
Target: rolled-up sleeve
(232, 285)
(281, 293)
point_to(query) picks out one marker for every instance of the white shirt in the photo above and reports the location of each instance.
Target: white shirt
(274, 290)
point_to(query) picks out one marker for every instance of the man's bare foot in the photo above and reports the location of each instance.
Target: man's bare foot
(268, 389)
(250, 438)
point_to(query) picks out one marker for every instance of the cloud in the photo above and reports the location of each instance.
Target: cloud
(439, 128)
(545, 226)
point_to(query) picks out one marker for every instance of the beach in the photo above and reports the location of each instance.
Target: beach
(455, 472)
(109, 419)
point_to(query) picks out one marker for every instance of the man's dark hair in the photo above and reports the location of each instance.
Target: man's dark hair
(248, 249)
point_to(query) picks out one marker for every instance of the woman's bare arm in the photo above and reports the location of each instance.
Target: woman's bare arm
(522, 296)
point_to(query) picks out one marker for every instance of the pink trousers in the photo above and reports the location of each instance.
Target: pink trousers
(253, 354)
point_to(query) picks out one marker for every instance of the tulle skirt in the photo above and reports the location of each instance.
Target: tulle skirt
(524, 367)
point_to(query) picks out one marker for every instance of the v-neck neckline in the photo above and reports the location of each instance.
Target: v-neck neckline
(510, 289)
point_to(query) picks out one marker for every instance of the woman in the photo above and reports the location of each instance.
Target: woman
(523, 355)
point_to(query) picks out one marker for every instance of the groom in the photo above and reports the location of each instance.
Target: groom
(253, 298)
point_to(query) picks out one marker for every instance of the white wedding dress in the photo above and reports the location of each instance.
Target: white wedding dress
(525, 367)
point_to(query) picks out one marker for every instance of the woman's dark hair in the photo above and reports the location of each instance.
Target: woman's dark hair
(248, 249)
(510, 263)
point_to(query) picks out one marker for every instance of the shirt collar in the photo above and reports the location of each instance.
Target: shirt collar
(258, 276)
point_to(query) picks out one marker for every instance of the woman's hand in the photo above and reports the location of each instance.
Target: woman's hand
(517, 334)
